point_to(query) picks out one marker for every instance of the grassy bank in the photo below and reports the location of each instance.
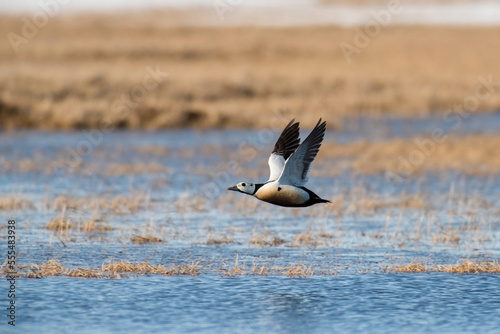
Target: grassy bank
(78, 72)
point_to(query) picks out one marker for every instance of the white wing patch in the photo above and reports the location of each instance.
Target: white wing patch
(276, 164)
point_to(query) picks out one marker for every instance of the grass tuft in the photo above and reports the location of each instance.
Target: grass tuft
(145, 239)
(412, 267)
(464, 267)
(111, 269)
(10, 203)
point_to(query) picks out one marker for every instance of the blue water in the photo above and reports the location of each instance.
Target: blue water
(404, 303)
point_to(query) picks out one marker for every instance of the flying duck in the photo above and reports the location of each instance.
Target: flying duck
(289, 163)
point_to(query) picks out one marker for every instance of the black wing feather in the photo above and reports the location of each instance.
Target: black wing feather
(288, 141)
(315, 137)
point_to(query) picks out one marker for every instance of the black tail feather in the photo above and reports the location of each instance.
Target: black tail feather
(315, 199)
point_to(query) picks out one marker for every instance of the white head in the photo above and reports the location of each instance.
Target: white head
(244, 187)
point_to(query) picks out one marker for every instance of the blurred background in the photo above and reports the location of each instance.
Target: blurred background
(230, 63)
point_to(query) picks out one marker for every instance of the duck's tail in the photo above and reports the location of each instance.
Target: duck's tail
(320, 200)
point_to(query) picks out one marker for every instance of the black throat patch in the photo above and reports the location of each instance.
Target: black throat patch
(257, 187)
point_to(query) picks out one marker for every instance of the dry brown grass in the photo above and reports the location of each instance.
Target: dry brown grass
(264, 269)
(309, 238)
(465, 231)
(298, 270)
(149, 233)
(63, 202)
(111, 269)
(63, 224)
(94, 225)
(11, 203)
(146, 239)
(412, 267)
(265, 239)
(70, 74)
(471, 267)
(464, 267)
(44, 165)
(190, 202)
(121, 205)
(235, 267)
(60, 225)
(117, 205)
(216, 239)
(261, 269)
(293, 270)
(377, 204)
(119, 269)
(233, 270)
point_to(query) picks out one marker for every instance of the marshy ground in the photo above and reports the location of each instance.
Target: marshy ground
(137, 195)
(147, 213)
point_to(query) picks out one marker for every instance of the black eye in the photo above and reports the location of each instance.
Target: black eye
(244, 184)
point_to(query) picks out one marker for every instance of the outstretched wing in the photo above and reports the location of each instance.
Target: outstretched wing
(298, 164)
(287, 144)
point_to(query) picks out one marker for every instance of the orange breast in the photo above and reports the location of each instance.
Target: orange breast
(286, 196)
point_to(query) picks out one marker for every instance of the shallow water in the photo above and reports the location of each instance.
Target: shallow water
(418, 303)
(349, 292)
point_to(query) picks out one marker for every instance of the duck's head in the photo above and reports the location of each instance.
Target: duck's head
(244, 187)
